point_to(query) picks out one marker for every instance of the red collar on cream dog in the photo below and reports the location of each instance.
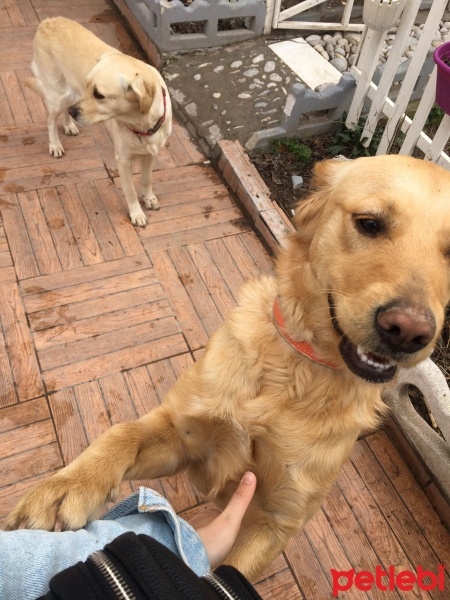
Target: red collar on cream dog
(158, 123)
(303, 347)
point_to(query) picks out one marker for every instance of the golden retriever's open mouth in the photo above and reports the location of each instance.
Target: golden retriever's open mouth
(366, 364)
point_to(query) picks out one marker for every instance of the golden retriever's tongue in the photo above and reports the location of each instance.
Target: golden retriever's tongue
(367, 365)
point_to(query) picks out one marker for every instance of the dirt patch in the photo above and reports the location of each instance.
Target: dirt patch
(277, 166)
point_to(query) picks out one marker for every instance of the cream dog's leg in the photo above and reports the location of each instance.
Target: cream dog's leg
(150, 200)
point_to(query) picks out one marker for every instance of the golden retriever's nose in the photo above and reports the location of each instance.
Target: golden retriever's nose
(405, 327)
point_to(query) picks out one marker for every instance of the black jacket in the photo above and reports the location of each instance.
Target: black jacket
(140, 568)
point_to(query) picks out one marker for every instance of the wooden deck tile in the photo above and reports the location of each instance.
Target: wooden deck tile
(24, 365)
(99, 318)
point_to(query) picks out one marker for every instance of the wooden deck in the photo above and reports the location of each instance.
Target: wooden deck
(97, 319)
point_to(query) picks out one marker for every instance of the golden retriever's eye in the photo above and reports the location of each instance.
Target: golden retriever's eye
(97, 95)
(369, 226)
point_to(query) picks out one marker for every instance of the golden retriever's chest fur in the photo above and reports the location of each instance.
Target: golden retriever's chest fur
(275, 410)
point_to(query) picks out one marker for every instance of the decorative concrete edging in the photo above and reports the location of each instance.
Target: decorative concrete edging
(244, 180)
(160, 18)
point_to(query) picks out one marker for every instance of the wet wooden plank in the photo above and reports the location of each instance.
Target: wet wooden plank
(15, 97)
(327, 548)
(118, 401)
(141, 389)
(50, 178)
(56, 320)
(198, 215)
(26, 438)
(188, 210)
(212, 278)
(100, 344)
(100, 222)
(92, 410)
(259, 254)
(30, 463)
(28, 13)
(38, 162)
(14, 13)
(182, 306)
(196, 290)
(7, 389)
(226, 263)
(414, 543)
(190, 147)
(120, 219)
(306, 567)
(6, 116)
(406, 485)
(63, 239)
(23, 414)
(221, 225)
(93, 273)
(60, 336)
(120, 360)
(373, 522)
(70, 294)
(39, 234)
(19, 343)
(281, 585)
(352, 538)
(19, 242)
(68, 424)
(191, 177)
(105, 147)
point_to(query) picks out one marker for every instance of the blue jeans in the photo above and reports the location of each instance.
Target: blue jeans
(29, 558)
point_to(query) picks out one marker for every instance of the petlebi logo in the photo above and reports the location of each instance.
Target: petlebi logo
(388, 580)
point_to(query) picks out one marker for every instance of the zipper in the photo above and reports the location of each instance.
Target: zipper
(112, 575)
(220, 587)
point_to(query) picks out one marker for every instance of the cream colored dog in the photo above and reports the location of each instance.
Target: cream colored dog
(295, 374)
(86, 81)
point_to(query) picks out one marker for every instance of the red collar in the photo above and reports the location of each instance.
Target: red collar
(303, 347)
(158, 123)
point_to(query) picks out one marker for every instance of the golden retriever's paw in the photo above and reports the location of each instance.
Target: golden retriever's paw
(56, 150)
(138, 218)
(151, 201)
(56, 504)
(71, 129)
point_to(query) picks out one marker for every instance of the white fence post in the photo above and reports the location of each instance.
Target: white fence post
(423, 45)
(390, 68)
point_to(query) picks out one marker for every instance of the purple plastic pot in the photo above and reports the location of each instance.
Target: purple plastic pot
(441, 57)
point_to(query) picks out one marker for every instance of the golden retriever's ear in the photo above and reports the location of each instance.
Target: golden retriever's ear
(309, 212)
(145, 92)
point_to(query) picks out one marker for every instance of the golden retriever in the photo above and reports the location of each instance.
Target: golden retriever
(360, 290)
(86, 81)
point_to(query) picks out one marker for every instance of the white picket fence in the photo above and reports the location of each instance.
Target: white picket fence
(277, 18)
(375, 97)
(393, 113)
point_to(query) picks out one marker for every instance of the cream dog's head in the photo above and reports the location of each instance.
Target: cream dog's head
(119, 87)
(374, 239)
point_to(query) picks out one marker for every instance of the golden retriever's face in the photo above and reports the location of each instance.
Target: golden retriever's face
(377, 234)
(114, 90)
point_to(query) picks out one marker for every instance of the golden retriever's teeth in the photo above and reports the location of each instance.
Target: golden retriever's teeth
(383, 366)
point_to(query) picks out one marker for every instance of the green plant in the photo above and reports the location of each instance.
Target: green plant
(348, 141)
(433, 120)
(301, 152)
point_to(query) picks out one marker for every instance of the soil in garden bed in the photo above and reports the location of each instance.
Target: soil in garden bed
(278, 164)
